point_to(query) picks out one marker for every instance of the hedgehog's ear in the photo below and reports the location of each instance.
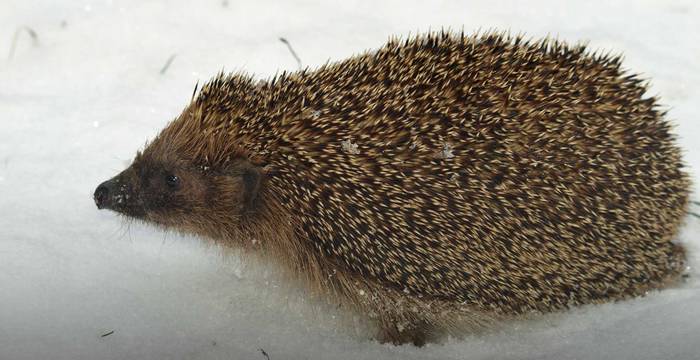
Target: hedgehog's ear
(252, 177)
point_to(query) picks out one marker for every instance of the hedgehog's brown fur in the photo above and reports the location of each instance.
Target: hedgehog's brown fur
(437, 181)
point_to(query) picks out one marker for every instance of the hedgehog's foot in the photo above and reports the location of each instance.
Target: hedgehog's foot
(398, 334)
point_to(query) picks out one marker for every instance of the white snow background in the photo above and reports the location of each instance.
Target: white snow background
(77, 104)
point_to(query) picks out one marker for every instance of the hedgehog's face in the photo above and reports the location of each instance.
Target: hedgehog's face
(178, 194)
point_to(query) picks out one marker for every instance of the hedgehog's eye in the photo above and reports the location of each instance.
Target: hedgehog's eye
(172, 180)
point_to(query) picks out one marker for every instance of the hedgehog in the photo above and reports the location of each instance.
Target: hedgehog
(441, 183)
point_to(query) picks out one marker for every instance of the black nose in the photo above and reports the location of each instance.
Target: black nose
(102, 197)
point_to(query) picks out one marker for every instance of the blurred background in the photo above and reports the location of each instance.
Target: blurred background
(83, 84)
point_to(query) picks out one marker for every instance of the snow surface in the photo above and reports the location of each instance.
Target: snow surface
(76, 106)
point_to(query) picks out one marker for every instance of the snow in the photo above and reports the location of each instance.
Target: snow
(76, 106)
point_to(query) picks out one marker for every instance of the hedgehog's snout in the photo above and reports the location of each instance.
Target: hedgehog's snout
(111, 194)
(101, 196)
(104, 194)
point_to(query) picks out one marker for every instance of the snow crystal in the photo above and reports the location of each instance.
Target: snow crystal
(446, 152)
(350, 147)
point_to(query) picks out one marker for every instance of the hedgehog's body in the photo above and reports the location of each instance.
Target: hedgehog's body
(441, 177)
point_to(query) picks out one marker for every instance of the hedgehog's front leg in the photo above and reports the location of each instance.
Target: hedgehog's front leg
(399, 333)
(401, 319)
